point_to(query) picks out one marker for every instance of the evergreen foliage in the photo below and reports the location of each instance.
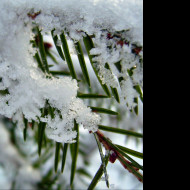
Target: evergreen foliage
(100, 98)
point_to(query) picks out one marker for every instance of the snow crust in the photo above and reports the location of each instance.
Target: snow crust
(30, 89)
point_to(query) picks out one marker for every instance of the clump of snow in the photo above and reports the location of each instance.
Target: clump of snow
(61, 128)
(117, 47)
(128, 93)
(30, 89)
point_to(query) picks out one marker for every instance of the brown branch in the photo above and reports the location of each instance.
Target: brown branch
(116, 155)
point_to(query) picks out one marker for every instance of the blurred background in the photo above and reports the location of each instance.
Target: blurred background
(21, 168)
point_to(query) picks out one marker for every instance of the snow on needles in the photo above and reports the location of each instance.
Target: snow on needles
(29, 89)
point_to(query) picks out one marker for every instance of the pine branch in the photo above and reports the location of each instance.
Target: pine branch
(115, 151)
(132, 166)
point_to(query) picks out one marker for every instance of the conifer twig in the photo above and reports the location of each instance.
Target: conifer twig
(109, 146)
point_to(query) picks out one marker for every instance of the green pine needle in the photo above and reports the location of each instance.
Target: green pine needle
(114, 90)
(139, 90)
(120, 131)
(115, 94)
(67, 56)
(42, 51)
(41, 132)
(102, 158)
(59, 50)
(89, 45)
(82, 62)
(57, 156)
(136, 108)
(40, 64)
(75, 154)
(65, 148)
(103, 110)
(51, 56)
(25, 128)
(131, 152)
(98, 175)
(90, 96)
(63, 73)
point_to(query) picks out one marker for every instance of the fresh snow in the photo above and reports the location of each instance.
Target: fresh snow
(30, 89)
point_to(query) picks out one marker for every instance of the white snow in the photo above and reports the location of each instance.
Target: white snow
(30, 89)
